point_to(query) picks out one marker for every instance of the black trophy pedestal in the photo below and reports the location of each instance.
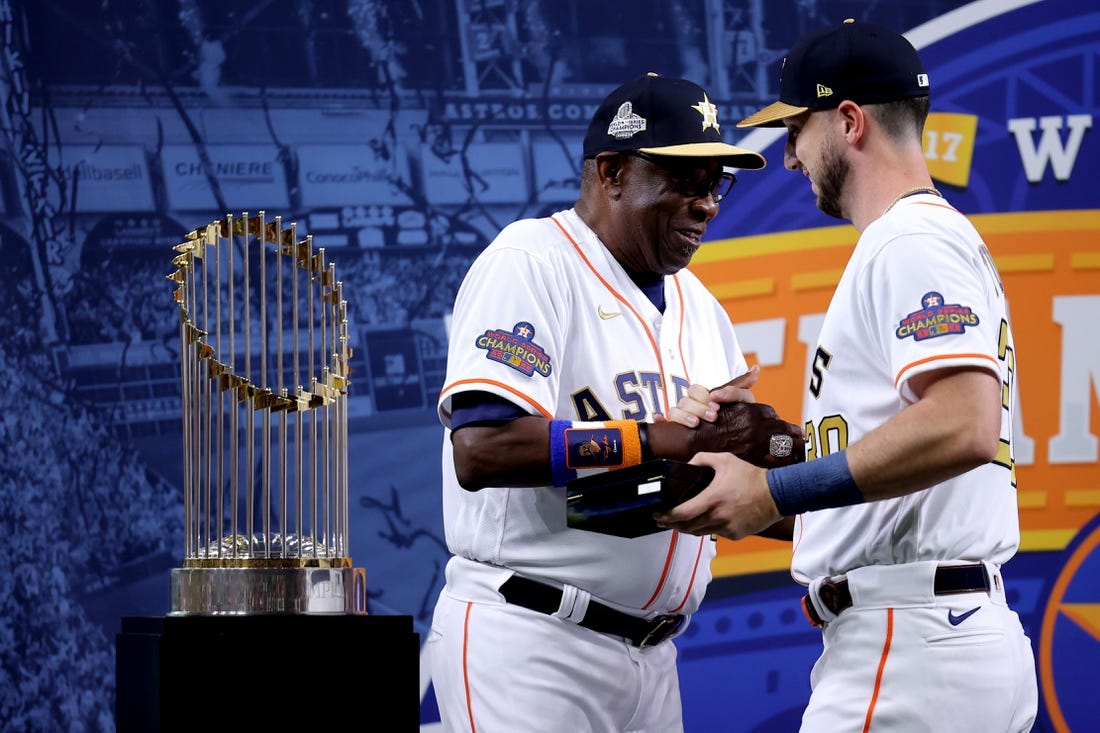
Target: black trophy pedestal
(269, 672)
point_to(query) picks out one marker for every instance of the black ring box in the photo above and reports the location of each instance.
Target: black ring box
(622, 501)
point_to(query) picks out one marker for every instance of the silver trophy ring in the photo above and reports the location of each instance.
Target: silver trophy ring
(780, 445)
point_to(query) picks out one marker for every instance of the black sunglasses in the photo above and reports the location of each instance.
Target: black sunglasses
(690, 181)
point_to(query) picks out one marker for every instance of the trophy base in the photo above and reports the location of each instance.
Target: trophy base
(236, 674)
(268, 590)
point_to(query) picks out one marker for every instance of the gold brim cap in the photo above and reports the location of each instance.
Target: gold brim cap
(862, 62)
(772, 115)
(663, 116)
(730, 155)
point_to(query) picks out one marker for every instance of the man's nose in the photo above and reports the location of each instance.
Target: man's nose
(790, 160)
(707, 204)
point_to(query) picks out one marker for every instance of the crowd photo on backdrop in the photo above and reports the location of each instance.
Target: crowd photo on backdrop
(906, 509)
(572, 336)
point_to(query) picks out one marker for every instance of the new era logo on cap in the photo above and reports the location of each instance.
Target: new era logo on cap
(663, 116)
(862, 62)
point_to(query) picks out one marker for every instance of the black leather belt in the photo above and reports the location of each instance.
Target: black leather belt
(836, 597)
(640, 632)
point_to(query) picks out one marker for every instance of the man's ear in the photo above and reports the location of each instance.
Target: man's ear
(609, 167)
(854, 119)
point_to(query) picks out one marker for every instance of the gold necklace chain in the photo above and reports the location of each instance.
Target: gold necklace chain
(910, 192)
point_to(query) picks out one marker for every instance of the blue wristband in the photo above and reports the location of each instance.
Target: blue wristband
(822, 483)
(560, 473)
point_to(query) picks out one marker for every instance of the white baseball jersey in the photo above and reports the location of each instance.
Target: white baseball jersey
(547, 319)
(919, 293)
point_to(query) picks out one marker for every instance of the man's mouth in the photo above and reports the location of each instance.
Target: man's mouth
(693, 236)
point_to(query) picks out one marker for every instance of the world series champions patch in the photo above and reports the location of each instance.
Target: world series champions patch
(516, 349)
(935, 319)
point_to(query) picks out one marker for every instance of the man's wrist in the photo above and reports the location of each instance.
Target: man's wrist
(823, 483)
(667, 439)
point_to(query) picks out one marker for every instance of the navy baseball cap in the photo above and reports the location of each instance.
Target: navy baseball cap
(663, 116)
(863, 62)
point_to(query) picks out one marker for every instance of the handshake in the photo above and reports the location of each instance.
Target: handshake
(754, 432)
(622, 501)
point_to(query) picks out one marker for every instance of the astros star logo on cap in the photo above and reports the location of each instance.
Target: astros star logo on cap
(709, 112)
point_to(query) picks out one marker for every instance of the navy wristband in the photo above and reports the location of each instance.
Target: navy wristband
(823, 483)
(643, 439)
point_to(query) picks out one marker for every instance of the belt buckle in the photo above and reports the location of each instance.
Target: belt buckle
(663, 627)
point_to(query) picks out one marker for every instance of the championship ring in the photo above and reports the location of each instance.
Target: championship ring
(780, 445)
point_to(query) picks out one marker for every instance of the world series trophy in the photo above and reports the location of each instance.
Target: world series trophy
(264, 353)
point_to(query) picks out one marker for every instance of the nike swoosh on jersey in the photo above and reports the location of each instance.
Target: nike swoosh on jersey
(956, 620)
(606, 314)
